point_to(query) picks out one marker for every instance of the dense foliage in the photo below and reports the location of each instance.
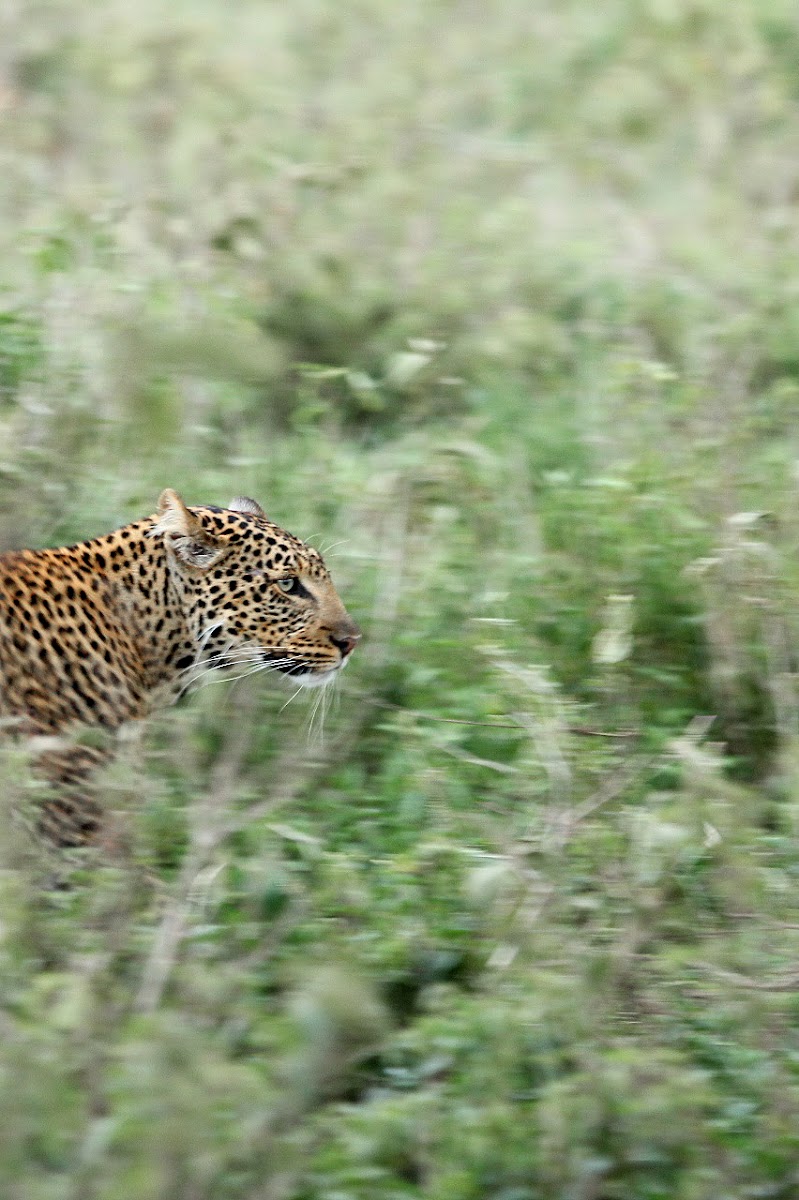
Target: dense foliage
(501, 305)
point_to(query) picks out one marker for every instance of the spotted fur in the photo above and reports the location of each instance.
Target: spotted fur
(99, 634)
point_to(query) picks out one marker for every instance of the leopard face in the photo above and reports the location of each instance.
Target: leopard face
(253, 594)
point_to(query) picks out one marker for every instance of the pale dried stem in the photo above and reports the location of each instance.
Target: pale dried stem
(214, 823)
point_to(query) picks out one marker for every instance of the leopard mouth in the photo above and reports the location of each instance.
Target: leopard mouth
(294, 668)
(304, 673)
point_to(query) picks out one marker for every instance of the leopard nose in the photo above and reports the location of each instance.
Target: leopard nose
(347, 643)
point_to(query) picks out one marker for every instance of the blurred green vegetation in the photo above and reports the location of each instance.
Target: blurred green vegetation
(501, 304)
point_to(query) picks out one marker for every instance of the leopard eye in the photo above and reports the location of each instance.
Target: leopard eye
(291, 585)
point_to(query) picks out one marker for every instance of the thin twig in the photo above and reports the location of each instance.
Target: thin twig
(579, 730)
(779, 983)
(207, 832)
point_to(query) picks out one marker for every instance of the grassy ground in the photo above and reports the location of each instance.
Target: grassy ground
(502, 304)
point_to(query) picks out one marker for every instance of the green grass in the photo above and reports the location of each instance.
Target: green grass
(502, 306)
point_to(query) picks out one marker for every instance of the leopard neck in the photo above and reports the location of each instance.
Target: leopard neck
(148, 599)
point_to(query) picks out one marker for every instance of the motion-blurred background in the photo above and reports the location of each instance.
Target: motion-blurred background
(501, 303)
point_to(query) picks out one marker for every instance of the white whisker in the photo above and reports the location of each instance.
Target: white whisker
(314, 709)
(203, 673)
(293, 696)
(332, 546)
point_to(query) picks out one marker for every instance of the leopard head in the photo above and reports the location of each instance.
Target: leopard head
(253, 593)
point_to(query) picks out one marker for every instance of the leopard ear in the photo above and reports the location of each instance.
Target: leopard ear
(173, 515)
(184, 534)
(244, 504)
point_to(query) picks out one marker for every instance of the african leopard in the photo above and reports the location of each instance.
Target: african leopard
(101, 633)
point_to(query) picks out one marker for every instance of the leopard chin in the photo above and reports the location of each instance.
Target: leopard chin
(315, 679)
